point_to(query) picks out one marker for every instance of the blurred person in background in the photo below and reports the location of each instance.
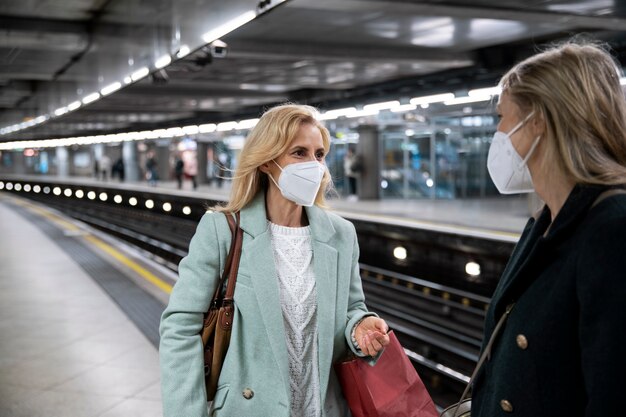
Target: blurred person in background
(562, 134)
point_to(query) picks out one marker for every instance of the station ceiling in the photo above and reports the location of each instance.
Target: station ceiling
(327, 53)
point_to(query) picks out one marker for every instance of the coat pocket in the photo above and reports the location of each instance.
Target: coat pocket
(220, 398)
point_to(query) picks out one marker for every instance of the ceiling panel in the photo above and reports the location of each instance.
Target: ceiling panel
(323, 52)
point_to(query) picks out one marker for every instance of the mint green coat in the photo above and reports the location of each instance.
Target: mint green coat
(257, 356)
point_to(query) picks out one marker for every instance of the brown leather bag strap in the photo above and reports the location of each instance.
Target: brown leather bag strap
(233, 255)
(233, 265)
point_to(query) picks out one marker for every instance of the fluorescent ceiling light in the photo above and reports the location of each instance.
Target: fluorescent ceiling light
(191, 130)
(61, 111)
(481, 92)
(128, 80)
(140, 73)
(229, 26)
(183, 51)
(174, 131)
(622, 81)
(91, 98)
(386, 105)
(364, 112)
(222, 127)
(207, 128)
(111, 88)
(436, 98)
(160, 133)
(164, 61)
(464, 100)
(74, 105)
(247, 124)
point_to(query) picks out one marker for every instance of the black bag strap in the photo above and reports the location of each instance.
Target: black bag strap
(486, 353)
(607, 194)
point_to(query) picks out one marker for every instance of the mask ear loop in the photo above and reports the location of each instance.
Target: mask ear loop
(272, 178)
(530, 152)
(517, 126)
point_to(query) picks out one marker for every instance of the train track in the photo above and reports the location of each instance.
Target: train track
(439, 326)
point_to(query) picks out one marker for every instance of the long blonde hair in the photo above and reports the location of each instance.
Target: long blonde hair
(575, 88)
(269, 139)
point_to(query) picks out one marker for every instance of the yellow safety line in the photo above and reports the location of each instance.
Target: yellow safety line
(144, 273)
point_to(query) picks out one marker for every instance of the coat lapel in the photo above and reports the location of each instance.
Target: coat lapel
(535, 249)
(259, 256)
(325, 268)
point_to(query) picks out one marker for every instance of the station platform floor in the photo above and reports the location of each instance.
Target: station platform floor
(503, 216)
(70, 346)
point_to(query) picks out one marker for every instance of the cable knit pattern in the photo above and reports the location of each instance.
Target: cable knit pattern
(293, 255)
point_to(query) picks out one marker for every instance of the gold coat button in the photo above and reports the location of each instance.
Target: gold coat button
(506, 406)
(521, 341)
(247, 393)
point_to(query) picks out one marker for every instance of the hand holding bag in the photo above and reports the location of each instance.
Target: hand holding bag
(218, 320)
(390, 388)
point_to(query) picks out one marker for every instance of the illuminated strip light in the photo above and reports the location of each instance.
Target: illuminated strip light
(173, 132)
(91, 98)
(387, 105)
(139, 74)
(247, 124)
(74, 105)
(111, 88)
(482, 92)
(61, 111)
(436, 98)
(164, 61)
(191, 130)
(223, 127)
(362, 113)
(183, 51)
(229, 26)
(334, 114)
(404, 107)
(465, 100)
(622, 81)
(207, 128)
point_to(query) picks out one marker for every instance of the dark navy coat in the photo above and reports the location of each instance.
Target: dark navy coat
(562, 351)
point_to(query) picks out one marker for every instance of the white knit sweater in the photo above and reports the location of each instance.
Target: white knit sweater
(293, 256)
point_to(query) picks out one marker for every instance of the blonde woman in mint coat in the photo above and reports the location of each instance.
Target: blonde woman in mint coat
(299, 304)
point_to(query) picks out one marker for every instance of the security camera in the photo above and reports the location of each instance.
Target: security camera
(219, 48)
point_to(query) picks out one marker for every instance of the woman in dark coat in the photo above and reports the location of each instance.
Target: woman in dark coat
(562, 133)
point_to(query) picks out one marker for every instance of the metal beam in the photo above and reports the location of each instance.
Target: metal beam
(411, 7)
(250, 49)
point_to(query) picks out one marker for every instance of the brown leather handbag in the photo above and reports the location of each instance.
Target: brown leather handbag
(218, 320)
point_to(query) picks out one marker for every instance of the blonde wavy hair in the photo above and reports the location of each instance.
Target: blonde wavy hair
(575, 88)
(268, 140)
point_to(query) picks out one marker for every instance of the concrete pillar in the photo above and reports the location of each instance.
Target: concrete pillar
(368, 148)
(202, 162)
(19, 163)
(131, 164)
(62, 162)
(162, 154)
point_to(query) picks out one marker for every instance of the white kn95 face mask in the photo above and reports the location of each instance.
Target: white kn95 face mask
(508, 171)
(300, 182)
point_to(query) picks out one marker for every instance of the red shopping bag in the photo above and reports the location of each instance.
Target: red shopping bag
(391, 388)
